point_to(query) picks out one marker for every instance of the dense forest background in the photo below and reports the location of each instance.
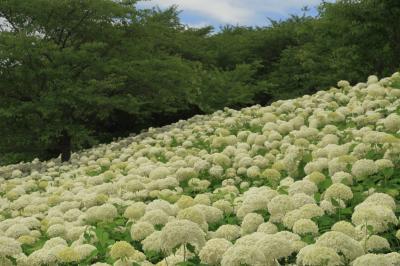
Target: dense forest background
(76, 73)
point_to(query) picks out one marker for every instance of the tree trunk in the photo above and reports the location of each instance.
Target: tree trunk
(65, 146)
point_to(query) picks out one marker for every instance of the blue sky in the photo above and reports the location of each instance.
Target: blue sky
(199, 13)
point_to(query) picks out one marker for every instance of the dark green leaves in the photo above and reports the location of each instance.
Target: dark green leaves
(153, 256)
(29, 249)
(324, 184)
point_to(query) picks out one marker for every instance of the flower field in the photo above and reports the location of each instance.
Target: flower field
(311, 181)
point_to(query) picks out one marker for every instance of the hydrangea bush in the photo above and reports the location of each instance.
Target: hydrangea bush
(310, 181)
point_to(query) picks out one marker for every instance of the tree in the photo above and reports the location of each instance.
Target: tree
(75, 73)
(58, 76)
(350, 40)
(234, 88)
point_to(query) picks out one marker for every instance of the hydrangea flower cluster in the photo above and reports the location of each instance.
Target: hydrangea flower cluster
(309, 181)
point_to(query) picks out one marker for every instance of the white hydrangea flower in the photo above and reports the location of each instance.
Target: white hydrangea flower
(303, 186)
(314, 255)
(101, 213)
(380, 199)
(345, 228)
(392, 123)
(280, 205)
(307, 211)
(274, 247)
(17, 230)
(141, 230)
(267, 228)
(9, 246)
(372, 260)
(240, 255)
(161, 205)
(343, 84)
(180, 232)
(328, 206)
(256, 199)
(394, 257)
(122, 249)
(186, 173)
(16, 173)
(152, 242)
(195, 215)
(338, 191)
(42, 257)
(315, 177)
(374, 243)
(211, 214)
(53, 242)
(213, 251)
(377, 216)
(155, 217)
(250, 223)
(363, 168)
(159, 173)
(224, 206)
(216, 171)
(66, 254)
(56, 230)
(342, 177)
(228, 231)
(341, 243)
(305, 226)
(301, 199)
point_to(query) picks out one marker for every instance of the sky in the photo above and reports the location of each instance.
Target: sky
(198, 13)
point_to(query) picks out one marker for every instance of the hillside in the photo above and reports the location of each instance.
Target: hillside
(74, 74)
(309, 181)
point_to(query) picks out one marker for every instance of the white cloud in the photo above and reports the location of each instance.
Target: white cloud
(221, 10)
(235, 11)
(201, 24)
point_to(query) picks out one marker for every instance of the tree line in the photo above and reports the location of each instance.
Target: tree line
(76, 73)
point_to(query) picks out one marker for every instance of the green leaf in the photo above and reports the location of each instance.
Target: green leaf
(370, 229)
(335, 202)
(317, 197)
(89, 259)
(325, 184)
(154, 256)
(283, 190)
(29, 249)
(191, 248)
(346, 211)
(387, 172)
(308, 238)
